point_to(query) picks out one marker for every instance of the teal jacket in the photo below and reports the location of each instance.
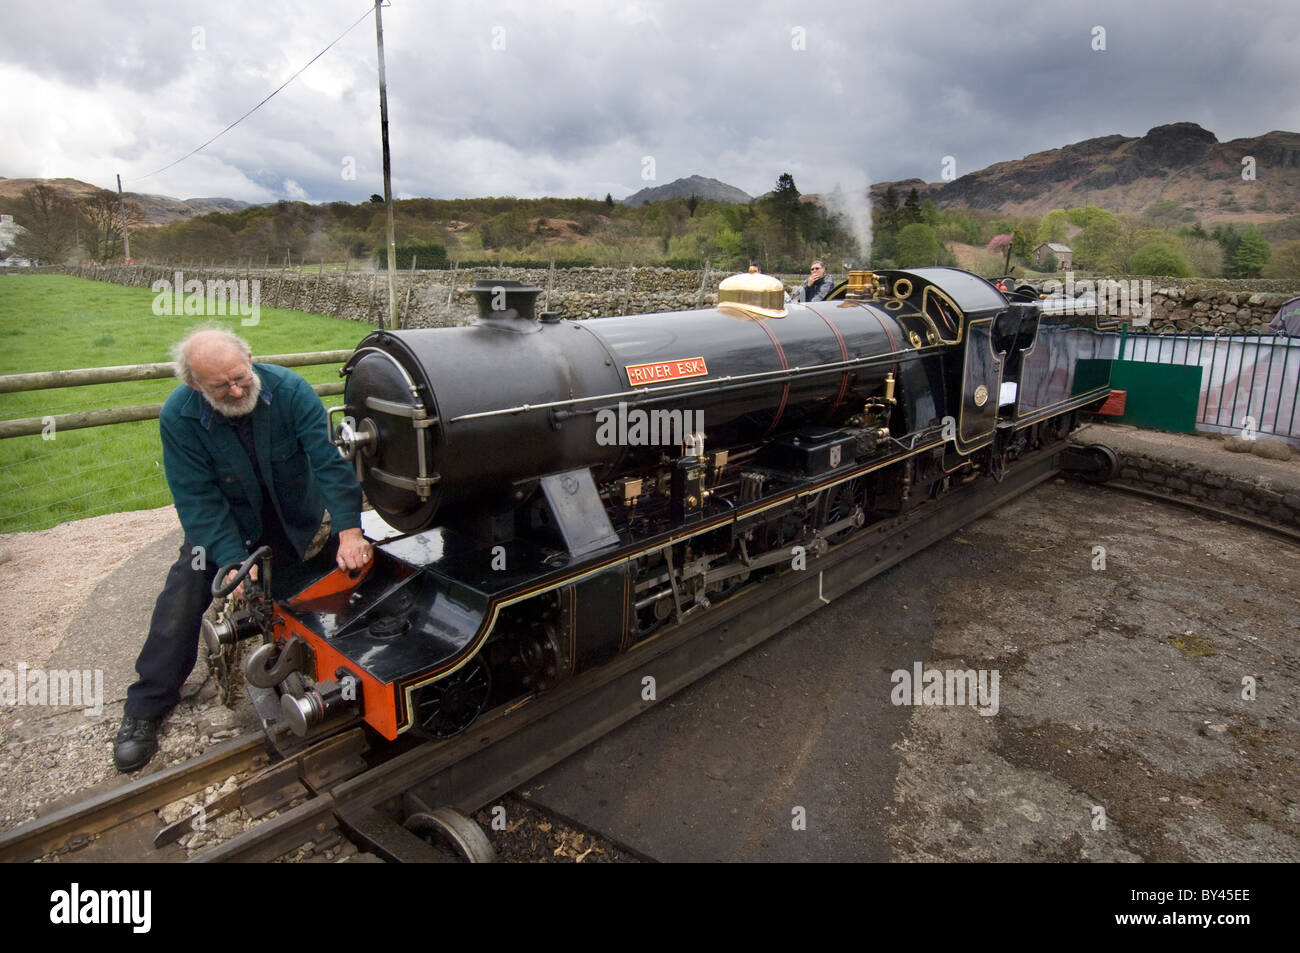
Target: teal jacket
(212, 481)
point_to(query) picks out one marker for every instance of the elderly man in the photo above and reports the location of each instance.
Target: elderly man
(818, 285)
(248, 462)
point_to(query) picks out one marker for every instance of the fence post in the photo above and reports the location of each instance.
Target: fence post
(315, 289)
(451, 290)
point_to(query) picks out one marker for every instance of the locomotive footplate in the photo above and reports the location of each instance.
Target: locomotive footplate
(422, 611)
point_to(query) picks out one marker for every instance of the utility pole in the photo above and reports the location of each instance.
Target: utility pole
(121, 204)
(388, 188)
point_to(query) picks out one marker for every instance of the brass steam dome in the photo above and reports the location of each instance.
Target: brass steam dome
(754, 294)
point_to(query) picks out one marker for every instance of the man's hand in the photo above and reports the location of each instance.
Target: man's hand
(239, 590)
(354, 551)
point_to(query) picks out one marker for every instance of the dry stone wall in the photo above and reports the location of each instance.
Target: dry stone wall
(440, 298)
(1250, 497)
(1237, 306)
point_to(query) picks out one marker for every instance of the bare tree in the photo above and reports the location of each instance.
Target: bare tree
(50, 219)
(103, 214)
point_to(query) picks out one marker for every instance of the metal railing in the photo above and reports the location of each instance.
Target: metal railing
(1248, 381)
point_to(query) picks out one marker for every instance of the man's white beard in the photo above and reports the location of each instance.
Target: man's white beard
(239, 407)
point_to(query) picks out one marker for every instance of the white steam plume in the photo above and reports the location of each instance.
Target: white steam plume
(851, 198)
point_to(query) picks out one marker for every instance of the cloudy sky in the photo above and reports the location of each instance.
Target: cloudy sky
(578, 97)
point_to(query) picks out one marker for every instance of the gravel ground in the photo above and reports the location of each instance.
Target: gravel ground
(50, 758)
(1120, 694)
(36, 602)
(1121, 691)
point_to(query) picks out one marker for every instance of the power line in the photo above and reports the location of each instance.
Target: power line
(369, 10)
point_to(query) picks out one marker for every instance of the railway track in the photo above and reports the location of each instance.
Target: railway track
(109, 826)
(413, 805)
(1205, 509)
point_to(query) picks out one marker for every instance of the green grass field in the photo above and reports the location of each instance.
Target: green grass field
(56, 322)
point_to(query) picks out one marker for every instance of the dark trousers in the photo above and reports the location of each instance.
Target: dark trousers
(172, 646)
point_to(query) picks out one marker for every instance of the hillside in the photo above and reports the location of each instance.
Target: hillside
(1180, 163)
(706, 189)
(158, 209)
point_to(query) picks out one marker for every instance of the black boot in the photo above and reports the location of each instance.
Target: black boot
(136, 742)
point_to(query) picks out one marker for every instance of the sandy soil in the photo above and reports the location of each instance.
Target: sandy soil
(36, 602)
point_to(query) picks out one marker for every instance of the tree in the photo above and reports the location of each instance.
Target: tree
(1095, 245)
(886, 223)
(890, 215)
(1159, 259)
(918, 245)
(1284, 263)
(51, 220)
(506, 230)
(103, 213)
(1002, 243)
(1228, 237)
(1054, 227)
(1204, 255)
(912, 208)
(376, 199)
(692, 204)
(784, 202)
(609, 200)
(1252, 254)
(1023, 238)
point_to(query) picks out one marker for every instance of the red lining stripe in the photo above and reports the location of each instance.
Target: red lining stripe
(889, 334)
(844, 354)
(785, 366)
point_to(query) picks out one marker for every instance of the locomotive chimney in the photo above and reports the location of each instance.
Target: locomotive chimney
(505, 299)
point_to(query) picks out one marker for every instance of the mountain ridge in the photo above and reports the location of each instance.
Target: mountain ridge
(1181, 165)
(1180, 162)
(158, 209)
(705, 188)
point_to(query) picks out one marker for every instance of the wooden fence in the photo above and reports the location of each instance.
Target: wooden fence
(41, 380)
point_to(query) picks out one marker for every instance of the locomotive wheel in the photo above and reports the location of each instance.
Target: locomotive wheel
(538, 657)
(1096, 464)
(840, 503)
(450, 705)
(446, 826)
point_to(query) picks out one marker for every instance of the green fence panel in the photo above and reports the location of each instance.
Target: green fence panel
(1159, 396)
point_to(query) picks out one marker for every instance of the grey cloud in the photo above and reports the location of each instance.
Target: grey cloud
(583, 90)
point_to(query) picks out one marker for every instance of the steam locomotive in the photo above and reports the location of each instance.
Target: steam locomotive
(555, 492)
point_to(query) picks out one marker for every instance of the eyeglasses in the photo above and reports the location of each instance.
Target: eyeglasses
(243, 383)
